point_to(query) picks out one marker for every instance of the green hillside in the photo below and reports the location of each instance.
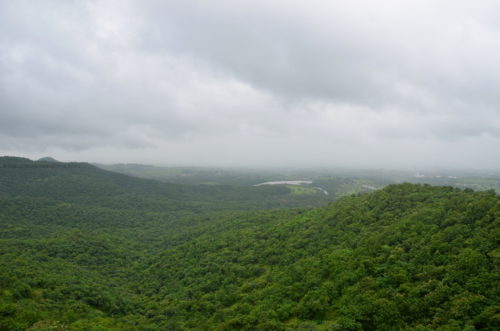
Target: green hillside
(83, 183)
(86, 249)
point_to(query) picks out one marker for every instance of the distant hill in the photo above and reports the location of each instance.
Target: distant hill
(47, 159)
(86, 184)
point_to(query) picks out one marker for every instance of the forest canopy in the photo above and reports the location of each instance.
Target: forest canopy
(86, 249)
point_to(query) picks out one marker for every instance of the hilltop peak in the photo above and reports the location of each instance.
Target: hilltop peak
(47, 159)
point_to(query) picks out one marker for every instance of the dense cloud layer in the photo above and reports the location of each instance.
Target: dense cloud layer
(316, 83)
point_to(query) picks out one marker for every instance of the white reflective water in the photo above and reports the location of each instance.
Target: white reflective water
(286, 182)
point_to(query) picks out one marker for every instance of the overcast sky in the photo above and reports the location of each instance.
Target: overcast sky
(395, 84)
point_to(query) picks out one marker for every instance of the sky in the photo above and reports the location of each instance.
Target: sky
(317, 83)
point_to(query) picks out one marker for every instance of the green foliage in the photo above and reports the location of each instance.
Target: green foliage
(85, 249)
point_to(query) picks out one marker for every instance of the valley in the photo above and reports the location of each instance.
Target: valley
(87, 249)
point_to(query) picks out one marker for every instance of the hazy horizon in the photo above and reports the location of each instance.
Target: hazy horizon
(325, 84)
(292, 169)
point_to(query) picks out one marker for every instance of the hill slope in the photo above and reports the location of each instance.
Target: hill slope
(83, 183)
(408, 257)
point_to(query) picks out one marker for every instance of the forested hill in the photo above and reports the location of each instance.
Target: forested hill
(407, 257)
(83, 183)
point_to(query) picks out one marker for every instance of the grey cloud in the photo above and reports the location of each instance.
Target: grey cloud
(53, 86)
(331, 56)
(254, 82)
(278, 51)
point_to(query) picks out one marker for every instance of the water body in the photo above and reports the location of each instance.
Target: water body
(286, 182)
(294, 182)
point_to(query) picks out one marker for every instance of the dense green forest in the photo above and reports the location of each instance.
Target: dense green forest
(82, 248)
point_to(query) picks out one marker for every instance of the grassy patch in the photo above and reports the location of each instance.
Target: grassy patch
(302, 190)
